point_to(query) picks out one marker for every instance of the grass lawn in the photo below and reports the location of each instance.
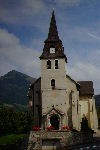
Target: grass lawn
(12, 138)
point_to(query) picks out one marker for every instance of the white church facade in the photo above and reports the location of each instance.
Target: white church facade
(58, 100)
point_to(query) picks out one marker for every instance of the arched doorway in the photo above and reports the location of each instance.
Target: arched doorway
(54, 120)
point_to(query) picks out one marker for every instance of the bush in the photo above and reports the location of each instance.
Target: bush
(12, 121)
(8, 139)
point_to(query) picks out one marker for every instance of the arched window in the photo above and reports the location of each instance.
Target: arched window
(53, 83)
(48, 64)
(56, 64)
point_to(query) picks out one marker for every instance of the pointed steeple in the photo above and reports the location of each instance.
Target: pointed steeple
(53, 42)
(53, 33)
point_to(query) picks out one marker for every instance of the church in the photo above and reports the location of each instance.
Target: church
(56, 99)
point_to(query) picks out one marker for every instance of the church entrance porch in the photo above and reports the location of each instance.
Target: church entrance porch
(54, 121)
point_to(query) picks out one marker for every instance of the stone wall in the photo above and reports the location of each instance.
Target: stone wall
(89, 110)
(37, 137)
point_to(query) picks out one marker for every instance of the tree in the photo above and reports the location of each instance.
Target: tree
(12, 121)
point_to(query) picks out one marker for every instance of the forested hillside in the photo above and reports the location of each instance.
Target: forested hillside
(14, 87)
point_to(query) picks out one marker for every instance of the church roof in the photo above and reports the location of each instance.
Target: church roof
(53, 32)
(53, 41)
(77, 84)
(86, 88)
(55, 110)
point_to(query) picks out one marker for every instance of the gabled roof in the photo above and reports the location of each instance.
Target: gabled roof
(32, 86)
(86, 88)
(56, 110)
(77, 84)
(39, 79)
(71, 79)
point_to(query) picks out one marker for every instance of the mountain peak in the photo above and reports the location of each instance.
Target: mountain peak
(14, 87)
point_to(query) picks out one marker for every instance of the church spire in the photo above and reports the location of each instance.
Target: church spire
(53, 33)
(53, 42)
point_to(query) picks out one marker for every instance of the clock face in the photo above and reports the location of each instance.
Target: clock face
(52, 50)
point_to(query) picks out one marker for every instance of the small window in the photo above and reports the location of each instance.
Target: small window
(56, 64)
(53, 83)
(48, 64)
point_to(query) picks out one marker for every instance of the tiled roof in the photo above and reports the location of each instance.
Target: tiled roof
(86, 88)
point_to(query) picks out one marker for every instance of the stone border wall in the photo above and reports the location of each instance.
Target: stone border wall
(36, 138)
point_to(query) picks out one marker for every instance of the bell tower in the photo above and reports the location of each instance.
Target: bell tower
(53, 47)
(53, 77)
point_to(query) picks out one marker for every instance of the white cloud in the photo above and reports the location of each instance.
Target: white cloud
(80, 34)
(31, 6)
(24, 11)
(86, 72)
(14, 55)
(5, 66)
(7, 39)
(94, 36)
(13, 11)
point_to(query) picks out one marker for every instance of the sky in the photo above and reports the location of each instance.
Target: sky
(24, 26)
